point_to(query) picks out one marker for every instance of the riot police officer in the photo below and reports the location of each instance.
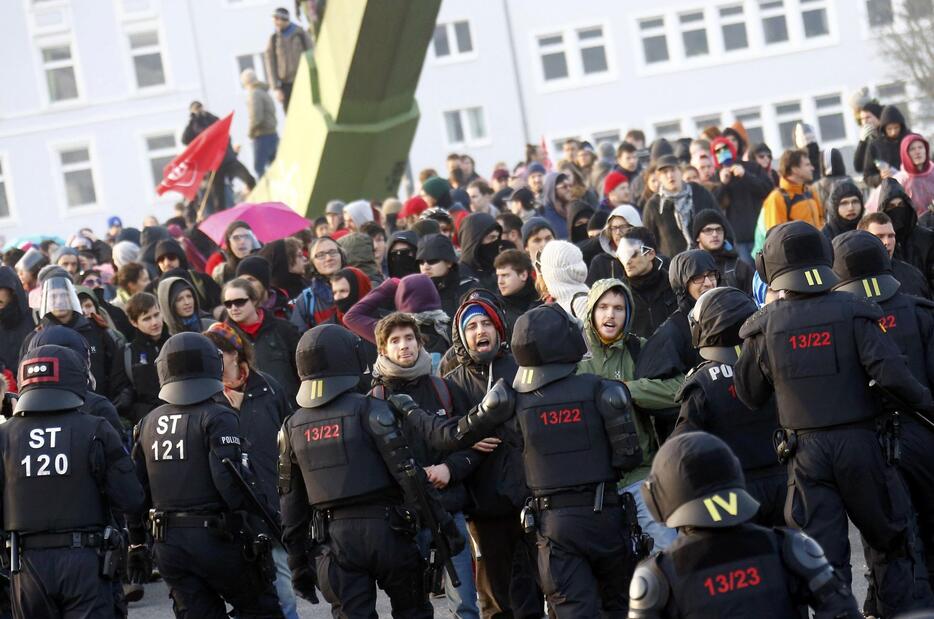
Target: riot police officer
(201, 528)
(345, 472)
(579, 438)
(709, 403)
(865, 269)
(722, 565)
(817, 350)
(63, 472)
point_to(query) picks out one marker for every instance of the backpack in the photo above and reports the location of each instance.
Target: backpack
(438, 385)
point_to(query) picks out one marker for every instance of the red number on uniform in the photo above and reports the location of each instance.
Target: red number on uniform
(322, 432)
(887, 322)
(810, 340)
(734, 580)
(567, 415)
(732, 391)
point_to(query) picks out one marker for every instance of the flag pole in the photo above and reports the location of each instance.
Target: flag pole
(207, 192)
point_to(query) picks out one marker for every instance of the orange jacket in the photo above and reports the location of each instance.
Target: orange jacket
(805, 205)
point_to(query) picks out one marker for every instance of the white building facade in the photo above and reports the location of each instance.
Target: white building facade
(96, 92)
(503, 73)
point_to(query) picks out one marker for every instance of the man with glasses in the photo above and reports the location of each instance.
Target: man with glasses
(652, 296)
(713, 233)
(284, 53)
(670, 353)
(438, 260)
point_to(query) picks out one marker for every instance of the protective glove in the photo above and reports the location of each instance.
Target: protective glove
(455, 540)
(304, 577)
(139, 564)
(401, 405)
(494, 410)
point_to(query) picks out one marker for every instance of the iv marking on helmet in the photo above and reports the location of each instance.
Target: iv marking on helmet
(731, 507)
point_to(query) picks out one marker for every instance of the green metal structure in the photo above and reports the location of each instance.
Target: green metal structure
(352, 115)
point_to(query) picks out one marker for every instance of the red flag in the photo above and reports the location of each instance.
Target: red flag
(184, 173)
(546, 161)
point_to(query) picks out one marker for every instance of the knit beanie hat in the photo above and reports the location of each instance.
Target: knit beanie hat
(63, 251)
(474, 309)
(613, 180)
(334, 207)
(598, 221)
(535, 168)
(360, 211)
(125, 252)
(415, 205)
(564, 271)
(436, 187)
(257, 267)
(533, 225)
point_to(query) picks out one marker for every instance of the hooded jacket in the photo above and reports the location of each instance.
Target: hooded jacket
(918, 182)
(617, 361)
(477, 259)
(169, 288)
(605, 264)
(281, 278)
(653, 298)
(16, 320)
(519, 303)
(913, 244)
(148, 242)
(452, 286)
(549, 210)
(207, 290)
(578, 210)
(394, 266)
(659, 217)
(733, 271)
(274, 348)
(358, 248)
(741, 198)
(836, 225)
(881, 148)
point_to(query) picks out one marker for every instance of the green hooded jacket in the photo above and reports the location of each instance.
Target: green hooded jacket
(615, 362)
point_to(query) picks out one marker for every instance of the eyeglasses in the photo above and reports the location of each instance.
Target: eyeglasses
(712, 230)
(432, 262)
(239, 237)
(697, 280)
(229, 303)
(92, 282)
(620, 228)
(330, 253)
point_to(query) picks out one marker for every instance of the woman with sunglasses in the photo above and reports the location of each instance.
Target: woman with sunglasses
(438, 260)
(315, 305)
(274, 339)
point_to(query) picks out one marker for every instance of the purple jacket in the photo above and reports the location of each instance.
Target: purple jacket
(412, 294)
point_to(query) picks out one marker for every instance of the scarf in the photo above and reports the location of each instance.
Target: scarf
(684, 209)
(437, 320)
(389, 369)
(192, 323)
(253, 329)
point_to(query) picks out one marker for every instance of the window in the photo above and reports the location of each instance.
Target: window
(788, 115)
(457, 33)
(554, 60)
(4, 202)
(611, 136)
(593, 51)
(252, 61)
(814, 18)
(78, 177)
(669, 130)
(702, 122)
(895, 94)
(654, 43)
(830, 119)
(733, 28)
(694, 34)
(880, 12)
(774, 26)
(59, 73)
(752, 122)
(160, 149)
(465, 126)
(147, 59)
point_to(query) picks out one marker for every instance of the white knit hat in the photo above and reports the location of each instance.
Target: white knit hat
(124, 252)
(564, 271)
(360, 211)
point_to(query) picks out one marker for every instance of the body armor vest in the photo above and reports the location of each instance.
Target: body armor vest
(901, 324)
(49, 485)
(177, 457)
(819, 381)
(735, 572)
(565, 441)
(338, 456)
(748, 433)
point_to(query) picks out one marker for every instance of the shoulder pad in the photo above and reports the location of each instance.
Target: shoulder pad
(284, 463)
(380, 418)
(866, 309)
(648, 589)
(691, 381)
(804, 557)
(755, 324)
(614, 394)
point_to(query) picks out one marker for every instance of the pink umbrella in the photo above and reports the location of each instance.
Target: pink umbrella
(270, 221)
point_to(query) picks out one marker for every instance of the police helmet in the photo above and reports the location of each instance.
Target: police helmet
(330, 361)
(547, 345)
(797, 257)
(51, 378)
(190, 369)
(696, 481)
(715, 321)
(863, 265)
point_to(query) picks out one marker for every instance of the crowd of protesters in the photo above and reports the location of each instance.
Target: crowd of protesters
(624, 237)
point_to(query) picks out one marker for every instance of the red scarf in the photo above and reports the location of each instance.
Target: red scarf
(252, 329)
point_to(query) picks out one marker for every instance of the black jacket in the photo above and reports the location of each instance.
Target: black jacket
(604, 266)
(741, 199)
(209, 293)
(140, 366)
(733, 271)
(452, 287)
(653, 299)
(517, 304)
(911, 279)
(264, 409)
(835, 224)
(274, 350)
(473, 261)
(913, 244)
(16, 320)
(882, 148)
(659, 217)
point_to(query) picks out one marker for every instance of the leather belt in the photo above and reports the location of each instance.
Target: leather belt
(576, 499)
(380, 512)
(75, 539)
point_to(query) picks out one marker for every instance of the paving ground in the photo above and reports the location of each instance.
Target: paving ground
(156, 603)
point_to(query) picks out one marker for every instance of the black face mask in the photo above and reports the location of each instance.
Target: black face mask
(401, 264)
(579, 233)
(486, 254)
(345, 304)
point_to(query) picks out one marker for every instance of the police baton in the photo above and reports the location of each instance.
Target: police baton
(442, 550)
(902, 405)
(253, 499)
(14, 552)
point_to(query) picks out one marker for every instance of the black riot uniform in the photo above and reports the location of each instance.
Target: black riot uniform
(201, 528)
(817, 350)
(722, 565)
(709, 403)
(345, 474)
(63, 472)
(578, 438)
(864, 268)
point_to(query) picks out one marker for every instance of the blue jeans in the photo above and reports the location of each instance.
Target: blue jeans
(264, 151)
(284, 583)
(662, 535)
(462, 601)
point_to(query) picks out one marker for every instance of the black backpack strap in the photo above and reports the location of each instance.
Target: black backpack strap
(634, 346)
(128, 363)
(378, 392)
(443, 393)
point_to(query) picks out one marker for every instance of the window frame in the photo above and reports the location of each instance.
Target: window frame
(572, 48)
(659, 30)
(143, 27)
(693, 26)
(254, 56)
(807, 6)
(454, 55)
(149, 155)
(838, 109)
(469, 141)
(6, 181)
(60, 168)
(731, 20)
(43, 43)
